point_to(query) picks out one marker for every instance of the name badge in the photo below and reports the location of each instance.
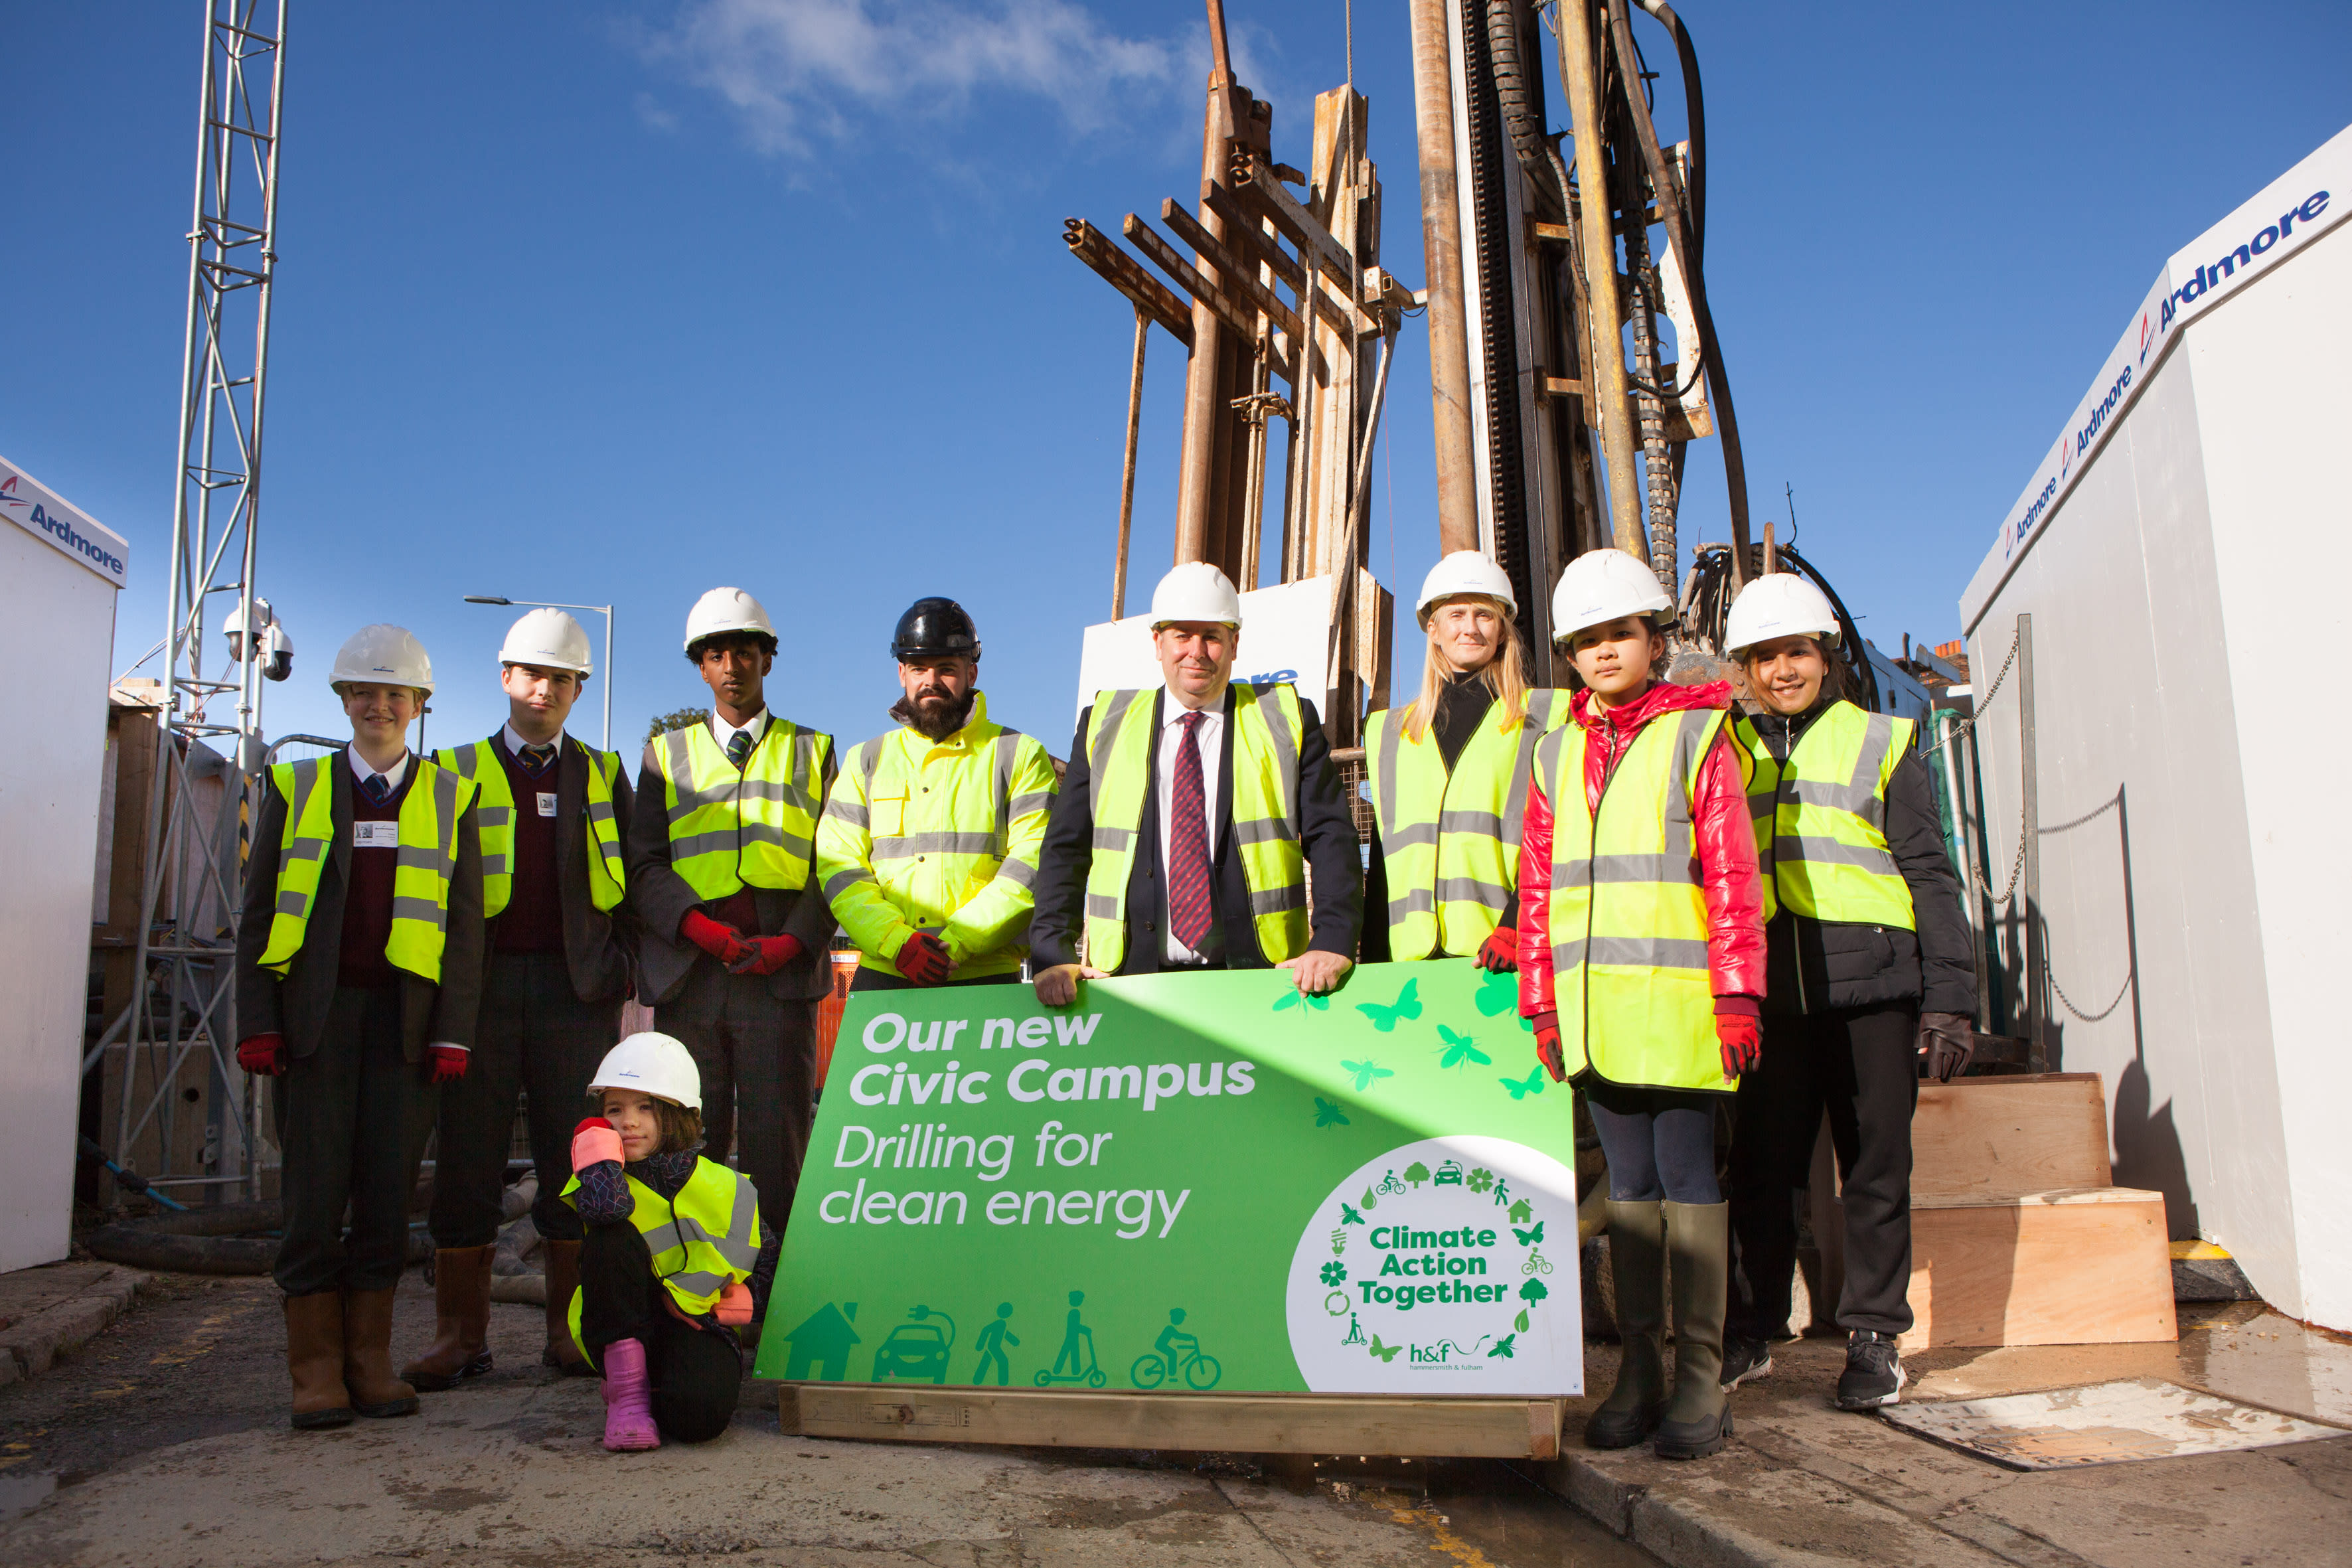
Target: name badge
(375, 835)
(547, 805)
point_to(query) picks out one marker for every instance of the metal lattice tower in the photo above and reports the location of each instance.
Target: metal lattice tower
(183, 1004)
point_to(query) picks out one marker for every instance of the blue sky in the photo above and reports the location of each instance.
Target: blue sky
(605, 302)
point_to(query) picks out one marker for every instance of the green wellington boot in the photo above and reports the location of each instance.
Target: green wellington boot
(1698, 1417)
(1637, 1262)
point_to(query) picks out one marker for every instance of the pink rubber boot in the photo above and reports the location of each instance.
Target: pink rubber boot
(628, 1399)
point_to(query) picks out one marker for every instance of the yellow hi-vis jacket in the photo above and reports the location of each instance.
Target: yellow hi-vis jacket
(494, 816)
(1628, 910)
(430, 816)
(1449, 841)
(729, 830)
(939, 837)
(1821, 818)
(708, 1239)
(1267, 728)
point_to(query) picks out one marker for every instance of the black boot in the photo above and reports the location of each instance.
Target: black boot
(1637, 1263)
(1698, 1244)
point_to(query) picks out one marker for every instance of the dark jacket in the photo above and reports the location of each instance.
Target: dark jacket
(296, 1006)
(1819, 967)
(1326, 837)
(661, 897)
(599, 945)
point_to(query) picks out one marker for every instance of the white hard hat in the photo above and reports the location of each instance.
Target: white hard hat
(1779, 604)
(383, 656)
(550, 639)
(651, 1064)
(1195, 591)
(1600, 585)
(724, 610)
(1465, 571)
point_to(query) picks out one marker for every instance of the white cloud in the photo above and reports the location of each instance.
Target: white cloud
(798, 71)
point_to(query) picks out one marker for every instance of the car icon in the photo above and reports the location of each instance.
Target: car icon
(1449, 1174)
(915, 1352)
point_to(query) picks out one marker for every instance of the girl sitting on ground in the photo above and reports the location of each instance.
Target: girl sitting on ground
(675, 1258)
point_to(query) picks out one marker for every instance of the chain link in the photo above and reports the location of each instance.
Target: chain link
(2121, 992)
(1968, 724)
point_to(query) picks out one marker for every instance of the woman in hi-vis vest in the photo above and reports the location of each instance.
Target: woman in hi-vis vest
(1449, 779)
(1642, 968)
(1873, 964)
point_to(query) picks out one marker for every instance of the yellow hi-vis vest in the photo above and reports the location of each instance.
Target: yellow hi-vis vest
(1629, 910)
(1266, 727)
(939, 837)
(1449, 841)
(757, 828)
(495, 814)
(430, 815)
(707, 1240)
(1821, 818)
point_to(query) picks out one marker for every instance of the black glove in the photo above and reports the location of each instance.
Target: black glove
(1949, 1040)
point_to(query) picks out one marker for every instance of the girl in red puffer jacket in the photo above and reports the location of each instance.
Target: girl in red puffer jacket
(1642, 967)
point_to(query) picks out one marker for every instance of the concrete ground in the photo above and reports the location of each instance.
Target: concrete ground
(163, 1441)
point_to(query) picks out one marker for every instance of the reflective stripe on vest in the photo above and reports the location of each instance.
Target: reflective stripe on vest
(1449, 841)
(1628, 909)
(729, 829)
(708, 1239)
(494, 813)
(1266, 725)
(430, 816)
(1821, 818)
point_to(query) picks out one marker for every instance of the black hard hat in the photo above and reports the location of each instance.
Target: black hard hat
(934, 628)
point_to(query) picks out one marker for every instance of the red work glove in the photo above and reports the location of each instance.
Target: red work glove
(1547, 1049)
(594, 1142)
(924, 959)
(262, 1054)
(449, 1063)
(1743, 1042)
(1500, 952)
(766, 954)
(734, 1307)
(720, 941)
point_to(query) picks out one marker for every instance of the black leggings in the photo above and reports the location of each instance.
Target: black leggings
(696, 1372)
(1660, 1142)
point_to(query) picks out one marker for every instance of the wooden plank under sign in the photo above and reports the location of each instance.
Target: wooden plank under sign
(1980, 1138)
(2078, 1268)
(1197, 1423)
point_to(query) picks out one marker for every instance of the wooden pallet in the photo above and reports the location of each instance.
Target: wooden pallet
(1192, 1423)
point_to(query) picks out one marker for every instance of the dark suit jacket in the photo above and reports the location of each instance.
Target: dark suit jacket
(599, 945)
(1327, 836)
(296, 1006)
(661, 898)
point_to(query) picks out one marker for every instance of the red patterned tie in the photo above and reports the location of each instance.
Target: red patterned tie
(1188, 843)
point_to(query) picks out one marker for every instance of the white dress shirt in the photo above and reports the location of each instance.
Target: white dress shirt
(516, 744)
(393, 775)
(1211, 735)
(724, 731)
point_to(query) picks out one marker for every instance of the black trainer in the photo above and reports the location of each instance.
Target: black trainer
(1873, 1373)
(1744, 1358)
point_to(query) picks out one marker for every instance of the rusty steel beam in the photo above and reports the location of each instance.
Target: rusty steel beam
(1604, 371)
(1240, 220)
(1449, 341)
(1145, 292)
(1333, 310)
(1127, 478)
(1255, 179)
(1163, 256)
(1236, 271)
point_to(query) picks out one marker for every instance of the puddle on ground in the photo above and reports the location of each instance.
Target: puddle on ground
(21, 1494)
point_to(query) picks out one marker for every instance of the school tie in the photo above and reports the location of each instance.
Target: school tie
(377, 788)
(1188, 843)
(536, 758)
(739, 747)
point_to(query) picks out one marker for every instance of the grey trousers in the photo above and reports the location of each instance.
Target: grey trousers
(534, 1035)
(757, 1056)
(353, 1118)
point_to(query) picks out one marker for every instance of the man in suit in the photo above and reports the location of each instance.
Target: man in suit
(553, 814)
(1188, 818)
(361, 1004)
(735, 927)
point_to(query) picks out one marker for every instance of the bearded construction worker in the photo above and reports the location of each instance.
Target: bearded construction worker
(722, 860)
(1189, 817)
(359, 969)
(929, 840)
(553, 816)
(1449, 777)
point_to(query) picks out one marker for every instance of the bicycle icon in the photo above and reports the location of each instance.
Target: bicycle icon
(1537, 1263)
(1176, 1355)
(1389, 1183)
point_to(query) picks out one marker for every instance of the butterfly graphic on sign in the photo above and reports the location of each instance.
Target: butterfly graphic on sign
(1528, 1238)
(1406, 1007)
(1292, 998)
(1386, 1352)
(1532, 1084)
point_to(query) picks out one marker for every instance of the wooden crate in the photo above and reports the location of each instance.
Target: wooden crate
(1195, 1422)
(2006, 1137)
(2085, 1266)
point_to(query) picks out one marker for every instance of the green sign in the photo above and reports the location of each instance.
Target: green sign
(1188, 1181)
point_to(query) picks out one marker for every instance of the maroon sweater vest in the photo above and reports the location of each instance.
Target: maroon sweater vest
(532, 921)
(367, 899)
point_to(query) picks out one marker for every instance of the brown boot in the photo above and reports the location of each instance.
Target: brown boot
(367, 1356)
(314, 1354)
(563, 1282)
(461, 1320)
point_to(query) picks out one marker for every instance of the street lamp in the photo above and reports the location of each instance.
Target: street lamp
(603, 610)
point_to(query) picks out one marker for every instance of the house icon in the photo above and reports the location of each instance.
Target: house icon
(822, 1342)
